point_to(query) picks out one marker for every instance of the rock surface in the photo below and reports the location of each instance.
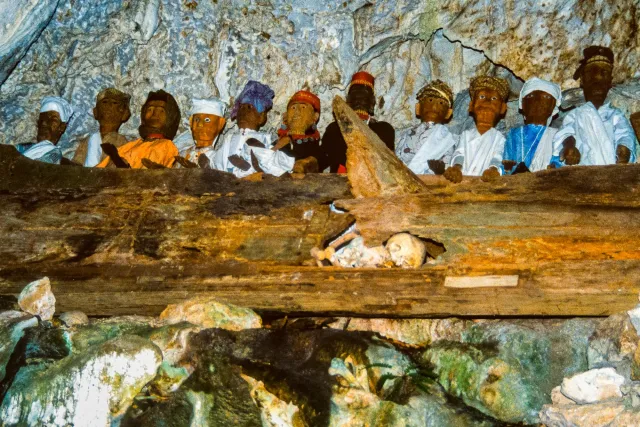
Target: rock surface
(36, 298)
(89, 389)
(12, 326)
(213, 48)
(593, 386)
(209, 313)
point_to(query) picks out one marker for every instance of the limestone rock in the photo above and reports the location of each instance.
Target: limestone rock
(596, 415)
(74, 318)
(209, 313)
(507, 369)
(12, 326)
(88, 389)
(593, 386)
(21, 23)
(413, 332)
(613, 344)
(36, 298)
(274, 412)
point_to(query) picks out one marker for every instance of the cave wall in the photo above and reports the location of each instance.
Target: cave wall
(211, 48)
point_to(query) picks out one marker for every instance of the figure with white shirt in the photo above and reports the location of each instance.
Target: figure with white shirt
(479, 150)
(595, 133)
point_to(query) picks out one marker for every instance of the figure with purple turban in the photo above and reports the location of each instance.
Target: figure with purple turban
(529, 148)
(246, 150)
(54, 115)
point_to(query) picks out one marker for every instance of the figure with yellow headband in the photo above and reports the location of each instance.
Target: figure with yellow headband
(111, 111)
(54, 116)
(427, 148)
(479, 150)
(595, 133)
(299, 136)
(361, 98)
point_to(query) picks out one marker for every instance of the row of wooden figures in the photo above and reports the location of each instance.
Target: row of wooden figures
(595, 133)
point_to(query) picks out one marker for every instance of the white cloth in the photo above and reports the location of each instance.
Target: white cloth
(551, 88)
(54, 103)
(598, 132)
(233, 143)
(477, 153)
(542, 157)
(94, 150)
(41, 149)
(427, 141)
(208, 106)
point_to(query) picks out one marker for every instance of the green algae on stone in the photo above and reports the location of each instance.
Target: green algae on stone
(12, 327)
(88, 389)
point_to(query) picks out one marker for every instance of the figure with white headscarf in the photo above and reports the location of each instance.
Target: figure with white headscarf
(206, 121)
(595, 133)
(427, 148)
(54, 116)
(529, 148)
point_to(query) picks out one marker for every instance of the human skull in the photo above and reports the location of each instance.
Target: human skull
(406, 250)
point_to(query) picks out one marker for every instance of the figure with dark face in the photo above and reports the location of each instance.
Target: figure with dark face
(529, 148)
(159, 121)
(479, 151)
(595, 133)
(54, 116)
(111, 111)
(246, 150)
(361, 98)
(427, 148)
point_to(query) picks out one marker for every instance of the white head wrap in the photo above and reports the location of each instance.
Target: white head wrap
(209, 106)
(54, 103)
(551, 88)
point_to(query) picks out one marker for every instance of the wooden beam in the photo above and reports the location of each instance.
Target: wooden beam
(131, 241)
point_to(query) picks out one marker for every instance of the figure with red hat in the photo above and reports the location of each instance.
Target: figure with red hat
(595, 133)
(361, 98)
(299, 136)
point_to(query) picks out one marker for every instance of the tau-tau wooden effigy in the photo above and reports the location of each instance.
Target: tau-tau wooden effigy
(555, 243)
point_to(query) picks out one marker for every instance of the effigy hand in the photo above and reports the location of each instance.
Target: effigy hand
(623, 154)
(490, 174)
(521, 168)
(111, 151)
(454, 173)
(508, 165)
(570, 155)
(239, 162)
(185, 163)
(150, 164)
(437, 166)
(308, 165)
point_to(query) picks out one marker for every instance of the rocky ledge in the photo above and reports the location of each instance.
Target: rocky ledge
(206, 363)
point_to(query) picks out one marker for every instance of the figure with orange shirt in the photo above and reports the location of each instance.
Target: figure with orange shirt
(160, 118)
(361, 98)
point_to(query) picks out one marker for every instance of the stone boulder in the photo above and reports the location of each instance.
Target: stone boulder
(36, 298)
(92, 388)
(208, 313)
(12, 326)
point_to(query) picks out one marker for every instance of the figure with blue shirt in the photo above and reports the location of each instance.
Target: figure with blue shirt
(529, 148)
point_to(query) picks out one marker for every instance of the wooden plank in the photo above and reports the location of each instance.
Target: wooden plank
(131, 242)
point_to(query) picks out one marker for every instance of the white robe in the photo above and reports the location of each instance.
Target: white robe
(418, 145)
(477, 153)
(42, 149)
(233, 143)
(94, 150)
(598, 132)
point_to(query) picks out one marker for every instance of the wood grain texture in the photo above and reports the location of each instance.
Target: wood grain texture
(133, 241)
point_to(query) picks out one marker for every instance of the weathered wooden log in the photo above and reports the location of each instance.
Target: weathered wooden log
(554, 243)
(372, 168)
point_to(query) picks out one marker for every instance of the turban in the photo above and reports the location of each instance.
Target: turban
(551, 88)
(594, 54)
(256, 94)
(439, 89)
(362, 78)
(209, 106)
(54, 103)
(493, 83)
(306, 97)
